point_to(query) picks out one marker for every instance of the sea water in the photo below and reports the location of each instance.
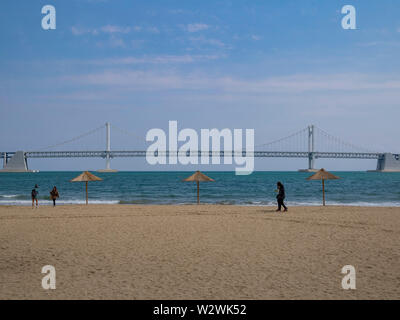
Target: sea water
(354, 188)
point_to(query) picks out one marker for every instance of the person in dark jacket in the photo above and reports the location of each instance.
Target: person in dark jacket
(54, 195)
(34, 195)
(281, 196)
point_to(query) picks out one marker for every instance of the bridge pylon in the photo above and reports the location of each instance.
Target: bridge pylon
(108, 151)
(311, 150)
(5, 160)
(311, 147)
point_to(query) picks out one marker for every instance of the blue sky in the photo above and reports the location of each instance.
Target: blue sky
(275, 66)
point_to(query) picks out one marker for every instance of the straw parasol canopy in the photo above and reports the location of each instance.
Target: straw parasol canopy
(323, 175)
(86, 176)
(198, 176)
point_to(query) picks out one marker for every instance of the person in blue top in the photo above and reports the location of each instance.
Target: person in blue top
(34, 195)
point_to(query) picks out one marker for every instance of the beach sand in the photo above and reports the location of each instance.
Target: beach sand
(199, 252)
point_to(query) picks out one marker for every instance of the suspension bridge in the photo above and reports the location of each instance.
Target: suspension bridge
(310, 143)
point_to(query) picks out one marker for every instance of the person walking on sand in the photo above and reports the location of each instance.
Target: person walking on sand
(34, 195)
(54, 195)
(281, 196)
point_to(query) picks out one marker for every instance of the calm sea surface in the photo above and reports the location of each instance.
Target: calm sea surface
(354, 188)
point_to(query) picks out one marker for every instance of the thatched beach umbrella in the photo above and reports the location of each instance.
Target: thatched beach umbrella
(198, 176)
(323, 175)
(86, 177)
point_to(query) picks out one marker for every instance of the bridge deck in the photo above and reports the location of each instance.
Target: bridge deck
(140, 153)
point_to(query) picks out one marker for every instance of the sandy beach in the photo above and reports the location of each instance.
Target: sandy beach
(199, 252)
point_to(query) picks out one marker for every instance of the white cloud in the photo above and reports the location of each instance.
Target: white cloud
(379, 44)
(162, 59)
(295, 84)
(112, 29)
(176, 11)
(196, 27)
(115, 29)
(117, 42)
(77, 31)
(113, 41)
(255, 37)
(207, 41)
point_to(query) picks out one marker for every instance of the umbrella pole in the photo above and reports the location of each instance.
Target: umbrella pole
(86, 193)
(198, 192)
(323, 192)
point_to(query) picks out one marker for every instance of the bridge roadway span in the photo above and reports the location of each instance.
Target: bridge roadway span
(256, 154)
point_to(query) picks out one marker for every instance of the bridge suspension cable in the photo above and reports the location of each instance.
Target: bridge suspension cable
(126, 132)
(316, 140)
(298, 137)
(73, 139)
(329, 142)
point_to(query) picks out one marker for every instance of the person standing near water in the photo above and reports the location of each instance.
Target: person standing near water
(34, 195)
(54, 195)
(281, 196)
